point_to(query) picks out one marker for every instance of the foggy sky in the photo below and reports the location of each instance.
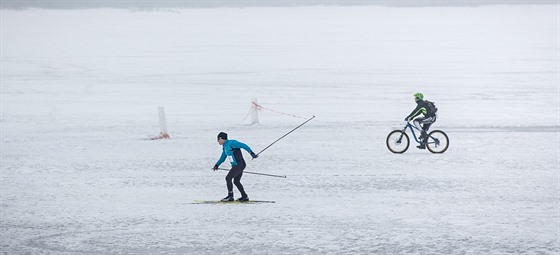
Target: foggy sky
(158, 4)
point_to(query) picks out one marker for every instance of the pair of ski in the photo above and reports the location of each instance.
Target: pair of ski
(231, 202)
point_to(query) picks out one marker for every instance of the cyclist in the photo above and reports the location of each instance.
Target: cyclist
(422, 123)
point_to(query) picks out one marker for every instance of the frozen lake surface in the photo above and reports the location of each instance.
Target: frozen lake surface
(79, 97)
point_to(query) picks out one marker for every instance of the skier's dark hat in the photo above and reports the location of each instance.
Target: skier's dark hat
(222, 135)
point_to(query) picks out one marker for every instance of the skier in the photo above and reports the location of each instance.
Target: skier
(231, 149)
(428, 109)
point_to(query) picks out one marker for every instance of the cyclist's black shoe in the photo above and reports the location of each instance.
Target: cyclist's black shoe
(421, 146)
(243, 198)
(229, 198)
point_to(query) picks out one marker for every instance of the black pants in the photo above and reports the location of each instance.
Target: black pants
(425, 121)
(235, 174)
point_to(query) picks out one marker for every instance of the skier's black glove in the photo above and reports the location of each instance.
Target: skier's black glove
(215, 168)
(254, 155)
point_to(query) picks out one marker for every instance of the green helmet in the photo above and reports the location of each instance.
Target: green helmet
(418, 96)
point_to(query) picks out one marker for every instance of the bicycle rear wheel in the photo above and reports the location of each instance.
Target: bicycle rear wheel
(438, 142)
(397, 141)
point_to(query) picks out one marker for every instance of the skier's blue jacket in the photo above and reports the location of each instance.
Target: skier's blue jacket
(231, 150)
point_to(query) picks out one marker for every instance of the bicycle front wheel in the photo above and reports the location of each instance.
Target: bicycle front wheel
(438, 142)
(397, 141)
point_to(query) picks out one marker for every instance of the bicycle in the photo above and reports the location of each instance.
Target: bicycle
(398, 141)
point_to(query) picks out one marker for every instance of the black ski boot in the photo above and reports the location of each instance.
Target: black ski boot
(243, 198)
(229, 198)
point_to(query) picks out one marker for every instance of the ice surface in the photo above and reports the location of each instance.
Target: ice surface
(79, 97)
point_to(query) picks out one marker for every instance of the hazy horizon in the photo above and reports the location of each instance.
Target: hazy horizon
(88, 4)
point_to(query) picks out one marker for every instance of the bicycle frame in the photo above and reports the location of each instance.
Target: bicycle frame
(412, 127)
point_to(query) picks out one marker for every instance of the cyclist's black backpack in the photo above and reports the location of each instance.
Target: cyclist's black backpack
(433, 108)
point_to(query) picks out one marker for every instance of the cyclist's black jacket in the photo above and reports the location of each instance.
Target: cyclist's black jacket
(421, 108)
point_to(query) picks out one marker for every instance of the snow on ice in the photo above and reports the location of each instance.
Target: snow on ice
(79, 97)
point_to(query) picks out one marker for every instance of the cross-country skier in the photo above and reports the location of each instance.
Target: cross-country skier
(429, 118)
(231, 149)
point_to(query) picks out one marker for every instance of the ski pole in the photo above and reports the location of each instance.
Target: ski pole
(286, 134)
(272, 175)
